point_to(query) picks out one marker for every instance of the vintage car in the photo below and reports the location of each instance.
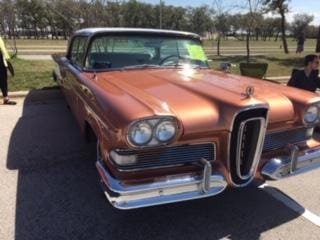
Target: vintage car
(168, 128)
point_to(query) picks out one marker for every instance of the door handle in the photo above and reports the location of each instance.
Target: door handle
(87, 91)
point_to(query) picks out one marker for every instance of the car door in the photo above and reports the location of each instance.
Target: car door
(74, 84)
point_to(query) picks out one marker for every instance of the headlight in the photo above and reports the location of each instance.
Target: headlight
(311, 114)
(165, 131)
(153, 131)
(140, 133)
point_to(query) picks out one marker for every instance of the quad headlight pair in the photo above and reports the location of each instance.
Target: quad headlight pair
(151, 132)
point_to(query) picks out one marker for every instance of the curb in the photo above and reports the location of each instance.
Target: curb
(279, 78)
(18, 94)
(22, 94)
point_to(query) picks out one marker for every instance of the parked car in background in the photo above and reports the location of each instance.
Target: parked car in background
(169, 128)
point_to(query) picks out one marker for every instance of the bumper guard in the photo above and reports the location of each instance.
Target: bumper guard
(296, 163)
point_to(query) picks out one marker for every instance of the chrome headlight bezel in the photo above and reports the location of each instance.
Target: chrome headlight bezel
(154, 123)
(311, 109)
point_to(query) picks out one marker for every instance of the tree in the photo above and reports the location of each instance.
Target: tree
(132, 13)
(8, 17)
(222, 27)
(258, 26)
(236, 25)
(277, 28)
(251, 20)
(221, 21)
(66, 16)
(8, 21)
(174, 18)
(114, 13)
(200, 19)
(300, 24)
(280, 7)
(269, 28)
(56, 18)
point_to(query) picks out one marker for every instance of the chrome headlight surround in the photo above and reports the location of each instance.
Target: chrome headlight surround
(164, 129)
(311, 115)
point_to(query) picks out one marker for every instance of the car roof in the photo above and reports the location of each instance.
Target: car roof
(147, 31)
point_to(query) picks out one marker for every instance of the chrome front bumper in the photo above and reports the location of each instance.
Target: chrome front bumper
(297, 162)
(166, 190)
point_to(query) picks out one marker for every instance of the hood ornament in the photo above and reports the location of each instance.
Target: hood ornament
(249, 92)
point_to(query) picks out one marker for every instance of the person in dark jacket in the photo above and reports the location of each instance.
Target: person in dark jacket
(308, 77)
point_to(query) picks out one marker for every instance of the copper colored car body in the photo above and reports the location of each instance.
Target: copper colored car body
(222, 129)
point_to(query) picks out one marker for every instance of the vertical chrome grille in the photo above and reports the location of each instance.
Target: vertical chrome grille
(249, 144)
(246, 144)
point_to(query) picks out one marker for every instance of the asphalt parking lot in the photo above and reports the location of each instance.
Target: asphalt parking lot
(49, 190)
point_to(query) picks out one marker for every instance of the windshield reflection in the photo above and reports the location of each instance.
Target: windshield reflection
(136, 52)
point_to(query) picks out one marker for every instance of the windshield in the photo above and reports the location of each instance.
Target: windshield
(114, 52)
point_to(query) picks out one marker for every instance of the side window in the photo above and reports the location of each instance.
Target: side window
(78, 50)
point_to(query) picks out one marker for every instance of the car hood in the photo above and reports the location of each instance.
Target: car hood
(200, 99)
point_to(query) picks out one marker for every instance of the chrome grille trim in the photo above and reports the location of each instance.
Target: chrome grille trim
(277, 140)
(165, 157)
(257, 111)
(258, 149)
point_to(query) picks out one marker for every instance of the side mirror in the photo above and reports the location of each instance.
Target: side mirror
(226, 67)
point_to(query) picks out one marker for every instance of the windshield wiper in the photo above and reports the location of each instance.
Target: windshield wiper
(141, 66)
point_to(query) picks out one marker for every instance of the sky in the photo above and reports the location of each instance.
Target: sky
(311, 7)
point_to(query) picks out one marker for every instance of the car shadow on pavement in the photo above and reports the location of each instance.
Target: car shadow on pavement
(58, 195)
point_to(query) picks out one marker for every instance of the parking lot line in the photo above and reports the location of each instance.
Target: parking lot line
(291, 203)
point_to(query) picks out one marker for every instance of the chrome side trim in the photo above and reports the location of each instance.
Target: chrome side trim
(258, 151)
(295, 163)
(168, 189)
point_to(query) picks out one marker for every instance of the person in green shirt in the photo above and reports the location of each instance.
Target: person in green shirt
(4, 57)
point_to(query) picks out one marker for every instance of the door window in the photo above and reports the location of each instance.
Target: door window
(78, 50)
